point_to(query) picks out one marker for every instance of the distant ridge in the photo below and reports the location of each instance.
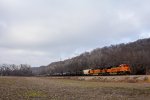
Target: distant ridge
(134, 53)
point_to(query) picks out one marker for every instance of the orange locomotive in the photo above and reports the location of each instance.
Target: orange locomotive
(121, 69)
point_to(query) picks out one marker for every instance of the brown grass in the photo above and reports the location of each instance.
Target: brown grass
(47, 88)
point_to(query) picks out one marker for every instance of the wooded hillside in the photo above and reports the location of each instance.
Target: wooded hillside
(134, 53)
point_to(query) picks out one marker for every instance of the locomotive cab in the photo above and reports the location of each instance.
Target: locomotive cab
(125, 68)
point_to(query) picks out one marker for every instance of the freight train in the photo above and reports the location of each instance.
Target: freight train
(122, 69)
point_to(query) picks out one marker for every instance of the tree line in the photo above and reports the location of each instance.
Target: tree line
(136, 54)
(15, 70)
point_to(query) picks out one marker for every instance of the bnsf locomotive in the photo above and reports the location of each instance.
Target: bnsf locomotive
(120, 70)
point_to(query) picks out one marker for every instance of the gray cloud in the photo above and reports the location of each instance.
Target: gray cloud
(38, 32)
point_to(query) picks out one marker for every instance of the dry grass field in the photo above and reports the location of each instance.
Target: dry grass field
(47, 88)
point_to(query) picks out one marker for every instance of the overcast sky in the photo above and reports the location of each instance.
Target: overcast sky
(38, 32)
